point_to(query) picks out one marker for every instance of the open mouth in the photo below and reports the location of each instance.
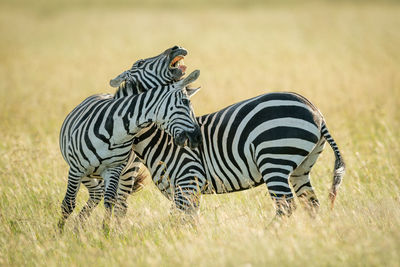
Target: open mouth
(177, 63)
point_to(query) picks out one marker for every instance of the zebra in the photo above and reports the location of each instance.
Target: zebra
(273, 139)
(160, 70)
(96, 138)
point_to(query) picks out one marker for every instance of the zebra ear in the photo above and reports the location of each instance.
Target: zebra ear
(192, 91)
(190, 78)
(119, 79)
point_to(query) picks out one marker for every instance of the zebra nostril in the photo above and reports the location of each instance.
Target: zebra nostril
(195, 138)
(175, 47)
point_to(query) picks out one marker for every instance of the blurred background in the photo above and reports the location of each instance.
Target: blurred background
(343, 56)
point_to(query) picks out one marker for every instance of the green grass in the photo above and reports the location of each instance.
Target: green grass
(344, 57)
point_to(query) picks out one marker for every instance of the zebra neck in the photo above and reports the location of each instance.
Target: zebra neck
(140, 112)
(144, 139)
(158, 152)
(147, 141)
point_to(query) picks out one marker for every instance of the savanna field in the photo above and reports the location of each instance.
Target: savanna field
(343, 56)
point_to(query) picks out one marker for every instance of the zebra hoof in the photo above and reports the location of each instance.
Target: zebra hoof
(60, 226)
(106, 228)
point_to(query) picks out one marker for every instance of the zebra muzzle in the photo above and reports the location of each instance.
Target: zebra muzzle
(180, 139)
(192, 139)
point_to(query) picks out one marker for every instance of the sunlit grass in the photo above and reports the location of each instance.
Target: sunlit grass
(344, 57)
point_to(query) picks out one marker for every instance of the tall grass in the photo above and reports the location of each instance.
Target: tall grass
(344, 57)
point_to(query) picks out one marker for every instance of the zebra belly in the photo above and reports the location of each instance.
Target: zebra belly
(223, 178)
(91, 165)
(224, 187)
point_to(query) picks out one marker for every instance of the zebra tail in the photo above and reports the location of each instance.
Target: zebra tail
(340, 166)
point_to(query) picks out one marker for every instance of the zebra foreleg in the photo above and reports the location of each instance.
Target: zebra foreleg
(96, 194)
(68, 203)
(111, 178)
(187, 199)
(128, 183)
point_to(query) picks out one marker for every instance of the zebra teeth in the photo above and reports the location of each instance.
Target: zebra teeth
(176, 62)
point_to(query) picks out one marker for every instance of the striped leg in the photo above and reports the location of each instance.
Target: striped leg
(68, 204)
(111, 178)
(276, 176)
(300, 179)
(187, 196)
(96, 194)
(128, 183)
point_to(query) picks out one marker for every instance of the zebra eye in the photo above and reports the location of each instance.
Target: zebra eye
(140, 63)
(185, 101)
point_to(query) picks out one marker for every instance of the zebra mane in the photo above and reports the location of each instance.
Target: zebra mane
(127, 88)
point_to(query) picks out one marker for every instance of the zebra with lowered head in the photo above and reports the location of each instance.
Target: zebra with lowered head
(271, 139)
(96, 138)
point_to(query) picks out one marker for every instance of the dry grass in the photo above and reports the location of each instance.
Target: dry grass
(344, 57)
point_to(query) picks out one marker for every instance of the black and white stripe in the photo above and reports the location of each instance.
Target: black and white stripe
(272, 139)
(96, 138)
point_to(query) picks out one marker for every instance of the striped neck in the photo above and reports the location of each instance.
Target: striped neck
(144, 144)
(142, 110)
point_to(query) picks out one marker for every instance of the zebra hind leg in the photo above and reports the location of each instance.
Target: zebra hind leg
(301, 183)
(69, 201)
(276, 177)
(96, 194)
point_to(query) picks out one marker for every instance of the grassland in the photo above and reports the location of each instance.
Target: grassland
(344, 57)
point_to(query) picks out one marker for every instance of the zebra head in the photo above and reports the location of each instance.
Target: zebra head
(175, 113)
(152, 72)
